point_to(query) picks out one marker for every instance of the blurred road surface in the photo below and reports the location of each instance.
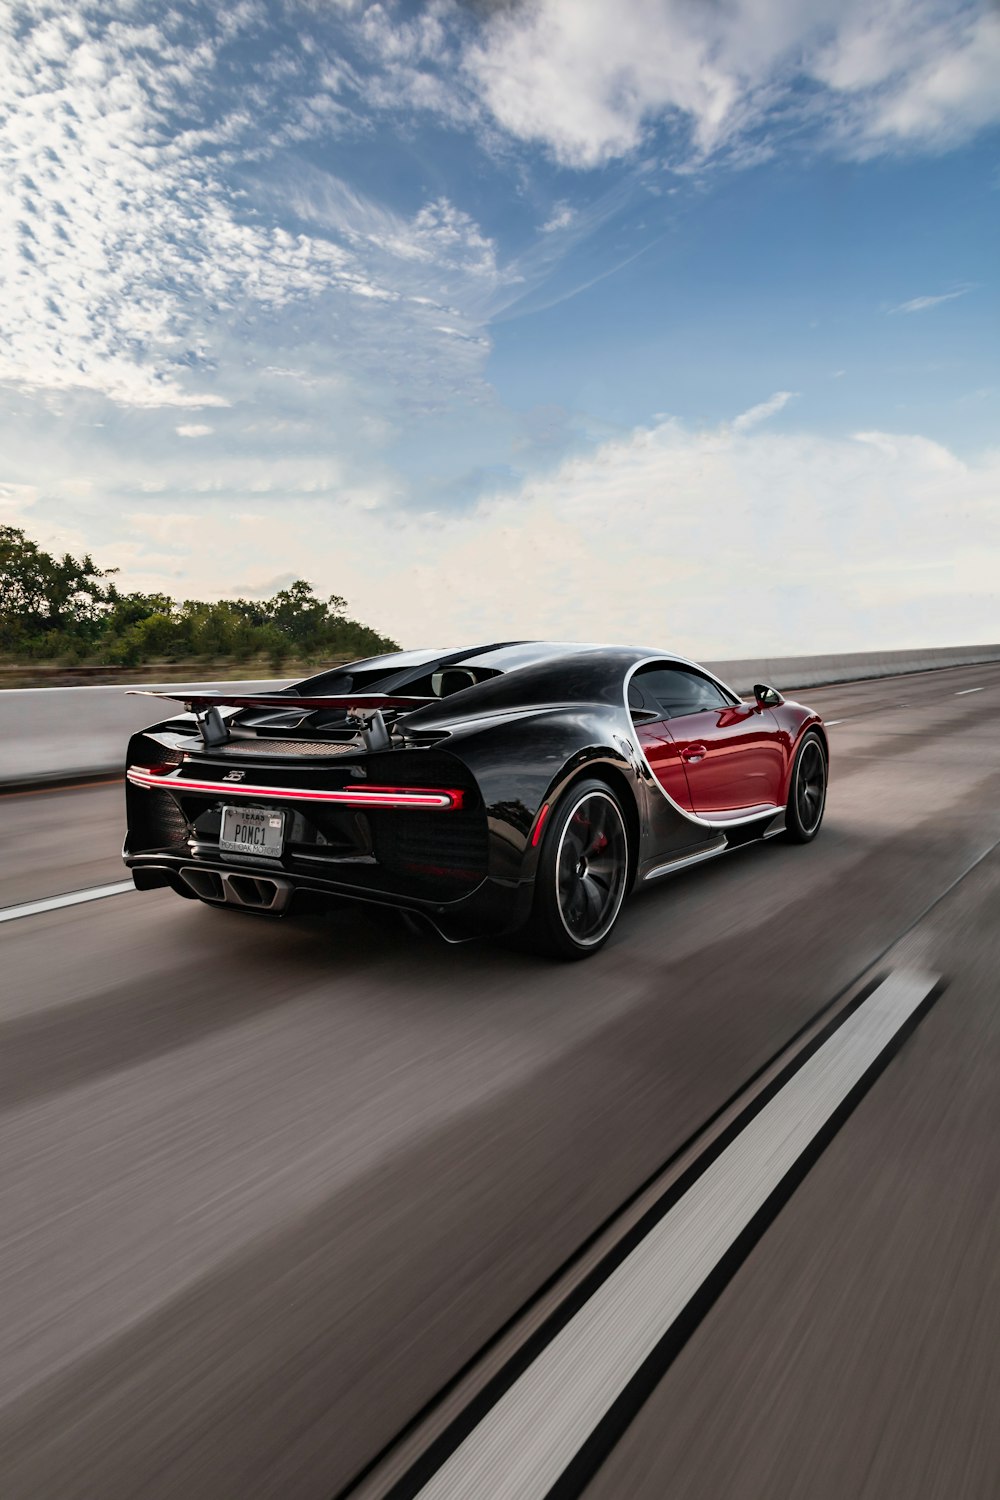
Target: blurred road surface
(265, 1187)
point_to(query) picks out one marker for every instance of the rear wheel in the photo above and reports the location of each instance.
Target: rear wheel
(582, 873)
(807, 792)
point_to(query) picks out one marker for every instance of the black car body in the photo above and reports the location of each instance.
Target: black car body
(433, 781)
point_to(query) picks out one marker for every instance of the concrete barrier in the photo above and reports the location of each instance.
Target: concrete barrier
(794, 672)
(52, 734)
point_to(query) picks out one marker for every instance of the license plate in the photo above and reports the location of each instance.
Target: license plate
(252, 830)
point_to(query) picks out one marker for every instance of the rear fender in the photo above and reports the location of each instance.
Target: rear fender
(523, 765)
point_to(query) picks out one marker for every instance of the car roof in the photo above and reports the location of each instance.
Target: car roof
(507, 658)
(500, 658)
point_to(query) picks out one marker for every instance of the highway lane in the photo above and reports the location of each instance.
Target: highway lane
(66, 839)
(265, 1187)
(856, 1350)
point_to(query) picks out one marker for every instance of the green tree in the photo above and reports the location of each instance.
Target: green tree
(65, 609)
(298, 613)
(41, 594)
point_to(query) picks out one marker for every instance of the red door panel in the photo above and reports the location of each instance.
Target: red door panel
(664, 756)
(733, 758)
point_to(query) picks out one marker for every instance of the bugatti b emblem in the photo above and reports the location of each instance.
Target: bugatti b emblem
(234, 776)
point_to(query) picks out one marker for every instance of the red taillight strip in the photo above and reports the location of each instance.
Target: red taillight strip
(445, 798)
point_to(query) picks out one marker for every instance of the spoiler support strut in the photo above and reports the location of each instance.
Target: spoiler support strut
(212, 727)
(372, 726)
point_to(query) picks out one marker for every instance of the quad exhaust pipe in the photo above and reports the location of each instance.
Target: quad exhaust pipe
(226, 887)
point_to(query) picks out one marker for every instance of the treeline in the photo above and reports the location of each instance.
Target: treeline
(67, 610)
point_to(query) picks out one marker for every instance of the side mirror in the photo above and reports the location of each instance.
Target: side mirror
(767, 697)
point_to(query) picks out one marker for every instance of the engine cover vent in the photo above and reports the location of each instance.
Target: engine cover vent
(283, 747)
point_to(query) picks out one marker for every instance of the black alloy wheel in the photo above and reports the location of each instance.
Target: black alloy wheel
(582, 874)
(807, 794)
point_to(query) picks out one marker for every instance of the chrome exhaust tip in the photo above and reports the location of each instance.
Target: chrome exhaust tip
(252, 892)
(262, 892)
(206, 884)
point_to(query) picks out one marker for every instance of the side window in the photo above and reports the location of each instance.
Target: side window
(675, 691)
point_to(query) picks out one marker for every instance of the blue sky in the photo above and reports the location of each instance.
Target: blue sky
(652, 320)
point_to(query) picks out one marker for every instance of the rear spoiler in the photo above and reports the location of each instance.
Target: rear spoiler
(364, 709)
(196, 701)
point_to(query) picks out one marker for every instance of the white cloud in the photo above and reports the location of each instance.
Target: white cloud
(115, 242)
(133, 263)
(414, 62)
(15, 499)
(584, 79)
(397, 40)
(435, 272)
(765, 409)
(193, 430)
(439, 236)
(561, 217)
(129, 260)
(921, 304)
(721, 543)
(590, 80)
(915, 73)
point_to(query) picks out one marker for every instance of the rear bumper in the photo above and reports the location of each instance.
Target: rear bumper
(493, 908)
(401, 828)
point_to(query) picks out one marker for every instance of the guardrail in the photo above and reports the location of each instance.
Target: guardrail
(61, 734)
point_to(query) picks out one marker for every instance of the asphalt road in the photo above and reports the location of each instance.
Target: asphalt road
(265, 1188)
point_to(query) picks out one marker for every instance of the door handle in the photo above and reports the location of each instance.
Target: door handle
(694, 752)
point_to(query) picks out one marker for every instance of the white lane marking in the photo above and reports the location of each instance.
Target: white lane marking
(963, 691)
(525, 1442)
(830, 722)
(73, 898)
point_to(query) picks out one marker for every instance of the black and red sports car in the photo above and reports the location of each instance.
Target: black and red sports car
(521, 785)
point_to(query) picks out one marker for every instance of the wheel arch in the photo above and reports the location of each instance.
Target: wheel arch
(818, 728)
(617, 780)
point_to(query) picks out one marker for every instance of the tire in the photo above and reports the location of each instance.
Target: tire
(582, 874)
(806, 792)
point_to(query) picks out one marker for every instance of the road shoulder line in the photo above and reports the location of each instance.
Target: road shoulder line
(71, 898)
(538, 1439)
